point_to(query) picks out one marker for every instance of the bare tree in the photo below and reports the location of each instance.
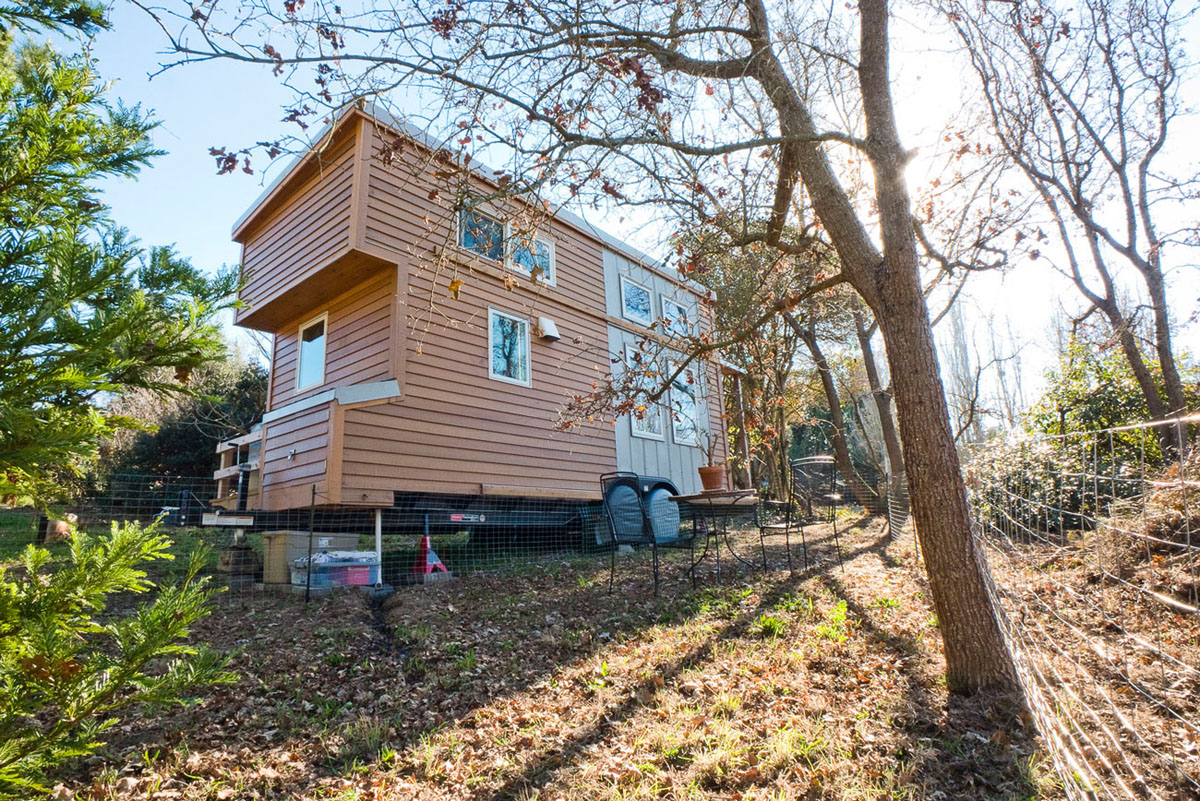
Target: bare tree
(715, 115)
(807, 331)
(882, 397)
(1082, 97)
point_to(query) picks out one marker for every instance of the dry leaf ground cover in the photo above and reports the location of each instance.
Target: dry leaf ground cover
(1117, 658)
(538, 684)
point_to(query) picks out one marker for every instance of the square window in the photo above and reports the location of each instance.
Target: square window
(646, 420)
(675, 318)
(685, 407)
(508, 348)
(481, 234)
(637, 302)
(310, 369)
(533, 256)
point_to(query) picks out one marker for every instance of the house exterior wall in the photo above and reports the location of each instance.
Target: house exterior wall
(357, 344)
(455, 430)
(303, 234)
(385, 281)
(296, 457)
(638, 453)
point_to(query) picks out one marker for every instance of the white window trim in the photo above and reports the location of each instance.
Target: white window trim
(458, 215)
(322, 317)
(510, 263)
(624, 279)
(528, 382)
(629, 349)
(696, 399)
(687, 317)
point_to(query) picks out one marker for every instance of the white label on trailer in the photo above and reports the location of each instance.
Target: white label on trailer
(323, 542)
(458, 517)
(214, 519)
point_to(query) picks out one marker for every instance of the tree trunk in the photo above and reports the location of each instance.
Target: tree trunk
(841, 449)
(1141, 372)
(977, 657)
(1176, 402)
(883, 406)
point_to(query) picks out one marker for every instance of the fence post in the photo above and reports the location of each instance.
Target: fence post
(312, 516)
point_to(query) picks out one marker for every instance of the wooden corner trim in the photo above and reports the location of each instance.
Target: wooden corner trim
(398, 338)
(333, 457)
(361, 184)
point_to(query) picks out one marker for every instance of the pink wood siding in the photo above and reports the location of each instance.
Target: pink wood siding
(307, 231)
(456, 429)
(304, 437)
(356, 344)
(338, 244)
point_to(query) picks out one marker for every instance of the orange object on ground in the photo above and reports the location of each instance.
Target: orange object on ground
(428, 562)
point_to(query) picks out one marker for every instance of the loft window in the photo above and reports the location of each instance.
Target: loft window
(637, 302)
(508, 348)
(479, 233)
(533, 256)
(675, 318)
(310, 370)
(645, 420)
(685, 407)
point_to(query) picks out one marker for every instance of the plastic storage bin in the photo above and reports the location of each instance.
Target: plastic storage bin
(338, 569)
(282, 548)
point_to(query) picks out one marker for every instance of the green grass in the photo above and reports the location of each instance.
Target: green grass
(769, 626)
(834, 627)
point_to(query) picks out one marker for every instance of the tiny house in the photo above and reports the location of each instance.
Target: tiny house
(424, 345)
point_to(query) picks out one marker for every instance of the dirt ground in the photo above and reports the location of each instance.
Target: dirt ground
(825, 683)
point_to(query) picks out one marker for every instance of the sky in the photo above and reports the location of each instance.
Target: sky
(180, 199)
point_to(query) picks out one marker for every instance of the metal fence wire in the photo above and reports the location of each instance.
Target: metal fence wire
(1093, 540)
(421, 538)
(1094, 543)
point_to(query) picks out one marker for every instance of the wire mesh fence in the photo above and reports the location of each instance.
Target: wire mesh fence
(421, 538)
(1094, 544)
(176, 502)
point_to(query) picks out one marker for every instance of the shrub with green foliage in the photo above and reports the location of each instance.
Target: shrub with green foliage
(1071, 466)
(86, 312)
(1094, 389)
(67, 667)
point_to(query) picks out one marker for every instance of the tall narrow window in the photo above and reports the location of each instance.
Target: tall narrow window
(637, 301)
(310, 369)
(675, 317)
(533, 256)
(481, 234)
(645, 419)
(685, 407)
(508, 346)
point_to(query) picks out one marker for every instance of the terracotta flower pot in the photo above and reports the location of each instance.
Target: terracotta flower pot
(712, 478)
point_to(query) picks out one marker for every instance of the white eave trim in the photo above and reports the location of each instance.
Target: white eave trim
(355, 393)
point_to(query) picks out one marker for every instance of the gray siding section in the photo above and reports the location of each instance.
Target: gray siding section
(616, 265)
(639, 454)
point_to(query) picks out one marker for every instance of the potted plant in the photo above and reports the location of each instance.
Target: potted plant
(712, 474)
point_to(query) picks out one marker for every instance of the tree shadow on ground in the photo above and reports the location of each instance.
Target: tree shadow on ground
(434, 658)
(937, 730)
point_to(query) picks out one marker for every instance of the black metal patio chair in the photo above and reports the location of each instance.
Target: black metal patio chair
(640, 513)
(812, 484)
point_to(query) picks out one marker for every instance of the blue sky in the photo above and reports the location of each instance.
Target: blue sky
(180, 199)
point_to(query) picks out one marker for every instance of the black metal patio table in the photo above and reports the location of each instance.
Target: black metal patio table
(713, 511)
